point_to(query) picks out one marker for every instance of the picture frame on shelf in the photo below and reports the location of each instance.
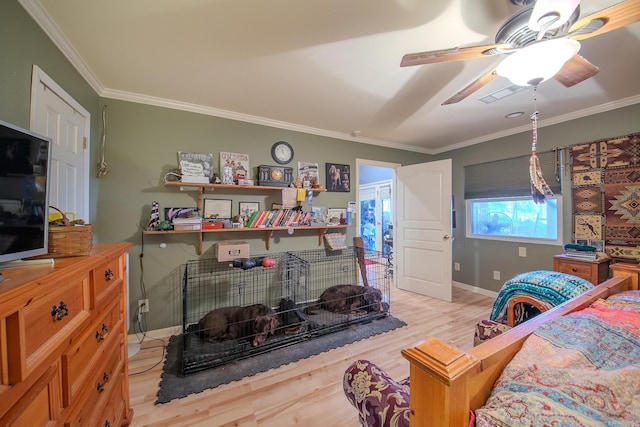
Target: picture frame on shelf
(196, 165)
(338, 177)
(246, 209)
(234, 167)
(172, 213)
(217, 209)
(336, 213)
(276, 206)
(319, 212)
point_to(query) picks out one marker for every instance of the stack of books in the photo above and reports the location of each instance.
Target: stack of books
(580, 251)
(187, 224)
(278, 218)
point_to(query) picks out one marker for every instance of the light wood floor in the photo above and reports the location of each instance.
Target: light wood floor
(308, 392)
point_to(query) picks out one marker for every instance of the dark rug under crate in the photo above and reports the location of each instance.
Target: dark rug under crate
(174, 386)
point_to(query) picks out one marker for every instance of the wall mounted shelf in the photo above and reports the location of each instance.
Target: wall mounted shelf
(267, 231)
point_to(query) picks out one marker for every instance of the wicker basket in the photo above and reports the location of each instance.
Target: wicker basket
(69, 240)
(72, 240)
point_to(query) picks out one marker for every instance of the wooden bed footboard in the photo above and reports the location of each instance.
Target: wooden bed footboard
(447, 383)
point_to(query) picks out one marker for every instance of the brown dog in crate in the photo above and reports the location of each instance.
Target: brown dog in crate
(349, 299)
(256, 321)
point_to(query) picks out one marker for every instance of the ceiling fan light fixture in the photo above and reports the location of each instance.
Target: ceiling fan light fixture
(546, 11)
(538, 62)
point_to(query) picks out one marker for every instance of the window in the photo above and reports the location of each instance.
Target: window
(516, 219)
(499, 205)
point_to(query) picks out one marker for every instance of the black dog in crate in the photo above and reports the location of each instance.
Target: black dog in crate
(349, 299)
(256, 322)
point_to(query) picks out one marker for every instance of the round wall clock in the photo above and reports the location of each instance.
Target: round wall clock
(282, 152)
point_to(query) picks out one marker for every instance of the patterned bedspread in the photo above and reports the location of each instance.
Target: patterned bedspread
(582, 369)
(550, 287)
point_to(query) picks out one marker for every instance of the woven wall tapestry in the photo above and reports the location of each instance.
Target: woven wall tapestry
(606, 194)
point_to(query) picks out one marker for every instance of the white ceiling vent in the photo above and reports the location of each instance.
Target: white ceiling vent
(502, 93)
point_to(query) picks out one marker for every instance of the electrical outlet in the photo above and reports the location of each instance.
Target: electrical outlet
(522, 251)
(496, 275)
(143, 306)
(456, 266)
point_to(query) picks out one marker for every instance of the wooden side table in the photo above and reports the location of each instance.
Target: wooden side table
(594, 271)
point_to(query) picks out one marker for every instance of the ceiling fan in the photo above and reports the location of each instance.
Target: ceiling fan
(530, 37)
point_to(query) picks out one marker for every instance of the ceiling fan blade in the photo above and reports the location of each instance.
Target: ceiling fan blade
(474, 86)
(576, 70)
(453, 54)
(617, 16)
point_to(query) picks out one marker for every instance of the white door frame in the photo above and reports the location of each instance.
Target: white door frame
(40, 77)
(365, 162)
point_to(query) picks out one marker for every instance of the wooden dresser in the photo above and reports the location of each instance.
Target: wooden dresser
(594, 271)
(63, 342)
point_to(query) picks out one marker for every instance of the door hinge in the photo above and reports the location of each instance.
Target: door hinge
(84, 143)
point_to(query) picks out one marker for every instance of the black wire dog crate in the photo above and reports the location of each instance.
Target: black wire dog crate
(292, 289)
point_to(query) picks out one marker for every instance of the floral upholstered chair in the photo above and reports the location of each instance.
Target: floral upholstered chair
(380, 400)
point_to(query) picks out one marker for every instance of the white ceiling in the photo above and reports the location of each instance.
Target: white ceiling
(327, 67)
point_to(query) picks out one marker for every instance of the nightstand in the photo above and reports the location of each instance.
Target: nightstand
(594, 271)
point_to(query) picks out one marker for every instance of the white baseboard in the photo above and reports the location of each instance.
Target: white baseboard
(475, 289)
(156, 333)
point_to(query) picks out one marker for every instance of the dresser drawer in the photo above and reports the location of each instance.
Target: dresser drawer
(595, 272)
(104, 278)
(96, 393)
(96, 340)
(44, 324)
(39, 406)
(579, 269)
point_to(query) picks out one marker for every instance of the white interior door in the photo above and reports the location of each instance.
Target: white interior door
(56, 115)
(422, 242)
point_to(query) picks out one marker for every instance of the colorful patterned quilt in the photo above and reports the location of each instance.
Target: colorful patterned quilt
(550, 287)
(582, 369)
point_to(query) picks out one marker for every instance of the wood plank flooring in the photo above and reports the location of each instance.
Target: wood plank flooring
(308, 392)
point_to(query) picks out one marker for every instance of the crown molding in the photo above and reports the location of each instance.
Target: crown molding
(42, 18)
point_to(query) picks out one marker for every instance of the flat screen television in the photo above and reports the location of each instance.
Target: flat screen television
(25, 163)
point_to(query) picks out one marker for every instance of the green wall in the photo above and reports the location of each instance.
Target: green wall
(142, 146)
(479, 258)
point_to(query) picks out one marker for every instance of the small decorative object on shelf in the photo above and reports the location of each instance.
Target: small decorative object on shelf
(275, 176)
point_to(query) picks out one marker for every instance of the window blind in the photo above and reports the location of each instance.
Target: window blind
(508, 177)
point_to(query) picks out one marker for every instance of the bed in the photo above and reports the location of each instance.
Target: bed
(448, 386)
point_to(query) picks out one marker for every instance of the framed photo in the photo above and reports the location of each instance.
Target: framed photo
(217, 209)
(246, 209)
(336, 213)
(319, 212)
(234, 166)
(338, 177)
(308, 173)
(171, 213)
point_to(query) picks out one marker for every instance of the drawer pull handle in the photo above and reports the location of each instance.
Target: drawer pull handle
(108, 275)
(107, 423)
(574, 269)
(59, 311)
(100, 386)
(104, 329)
